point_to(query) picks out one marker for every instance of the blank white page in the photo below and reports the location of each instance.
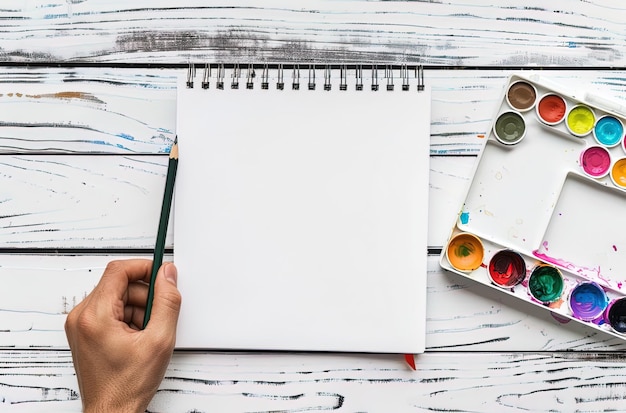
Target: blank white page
(300, 218)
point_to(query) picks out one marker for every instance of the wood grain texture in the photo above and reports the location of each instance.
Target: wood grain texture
(38, 291)
(561, 33)
(127, 111)
(89, 199)
(82, 165)
(79, 110)
(112, 202)
(35, 381)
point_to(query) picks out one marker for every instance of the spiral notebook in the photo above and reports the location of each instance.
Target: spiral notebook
(300, 212)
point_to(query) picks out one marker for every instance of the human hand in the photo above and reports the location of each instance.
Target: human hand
(119, 367)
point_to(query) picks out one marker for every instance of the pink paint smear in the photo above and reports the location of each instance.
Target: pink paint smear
(593, 274)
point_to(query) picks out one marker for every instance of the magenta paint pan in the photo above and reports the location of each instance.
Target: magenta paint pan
(587, 301)
(595, 161)
(616, 315)
(521, 96)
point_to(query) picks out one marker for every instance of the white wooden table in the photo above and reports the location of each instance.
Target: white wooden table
(83, 141)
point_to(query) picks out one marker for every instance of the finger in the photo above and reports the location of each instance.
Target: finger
(71, 321)
(137, 294)
(167, 300)
(120, 273)
(133, 316)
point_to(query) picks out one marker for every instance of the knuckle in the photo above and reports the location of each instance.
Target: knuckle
(70, 322)
(171, 299)
(84, 324)
(114, 266)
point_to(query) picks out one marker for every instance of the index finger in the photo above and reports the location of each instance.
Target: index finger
(119, 273)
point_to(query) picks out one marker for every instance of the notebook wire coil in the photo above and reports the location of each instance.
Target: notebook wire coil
(335, 77)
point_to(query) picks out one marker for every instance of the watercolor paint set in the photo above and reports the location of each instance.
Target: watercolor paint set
(544, 216)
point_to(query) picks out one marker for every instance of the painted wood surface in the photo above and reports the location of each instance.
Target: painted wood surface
(84, 195)
(82, 163)
(457, 33)
(39, 290)
(43, 381)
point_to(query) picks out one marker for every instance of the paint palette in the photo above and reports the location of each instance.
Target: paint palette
(543, 218)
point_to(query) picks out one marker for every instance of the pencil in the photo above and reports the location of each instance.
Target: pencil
(159, 248)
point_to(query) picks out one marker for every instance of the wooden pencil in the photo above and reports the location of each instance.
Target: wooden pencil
(159, 248)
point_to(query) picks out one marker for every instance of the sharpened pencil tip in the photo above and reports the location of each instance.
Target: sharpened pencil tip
(174, 149)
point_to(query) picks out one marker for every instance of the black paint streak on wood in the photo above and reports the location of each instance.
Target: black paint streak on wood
(475, 343)
(243, 45)
(63, 393)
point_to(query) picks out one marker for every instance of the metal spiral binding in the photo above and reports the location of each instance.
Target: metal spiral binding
(234, 84)
(220, 77)
(265, 78)
(206, 77)
(359, 77)
(389, 76)
(375, 78)
(250, 77)
(311, 78)
(327, 77)
(296, 78)
(280, 83)
(420, 78)
(343, 78)
(406, 74)
(191, 74)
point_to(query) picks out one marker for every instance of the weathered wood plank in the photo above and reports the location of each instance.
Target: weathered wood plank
(456, 33)
(123, 110)
(87, 110)
(251, 382)
(101, 208)
(89, 201)
(97, 201)
(105, 107)
(38, 290)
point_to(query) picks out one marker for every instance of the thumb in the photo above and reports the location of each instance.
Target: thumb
(167, 299)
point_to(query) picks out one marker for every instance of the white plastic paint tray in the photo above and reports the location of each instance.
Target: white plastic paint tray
(532, 198)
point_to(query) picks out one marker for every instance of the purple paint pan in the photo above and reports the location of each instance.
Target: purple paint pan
(587, 301)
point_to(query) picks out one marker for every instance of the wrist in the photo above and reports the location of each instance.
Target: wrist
(117, 406)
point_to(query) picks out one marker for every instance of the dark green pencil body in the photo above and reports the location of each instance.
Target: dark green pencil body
(159, 247)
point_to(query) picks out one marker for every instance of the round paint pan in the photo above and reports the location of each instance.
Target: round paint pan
(551, 109)
(521, 96)
(618, 173)
(465, 252)
(595, 161)
(507, 268)
(587, 301)
(545, 284)
(608, 131)
(580, 120)
(510, 128)
(616, 315)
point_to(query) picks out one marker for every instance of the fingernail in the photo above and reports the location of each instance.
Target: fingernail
(171, 274)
